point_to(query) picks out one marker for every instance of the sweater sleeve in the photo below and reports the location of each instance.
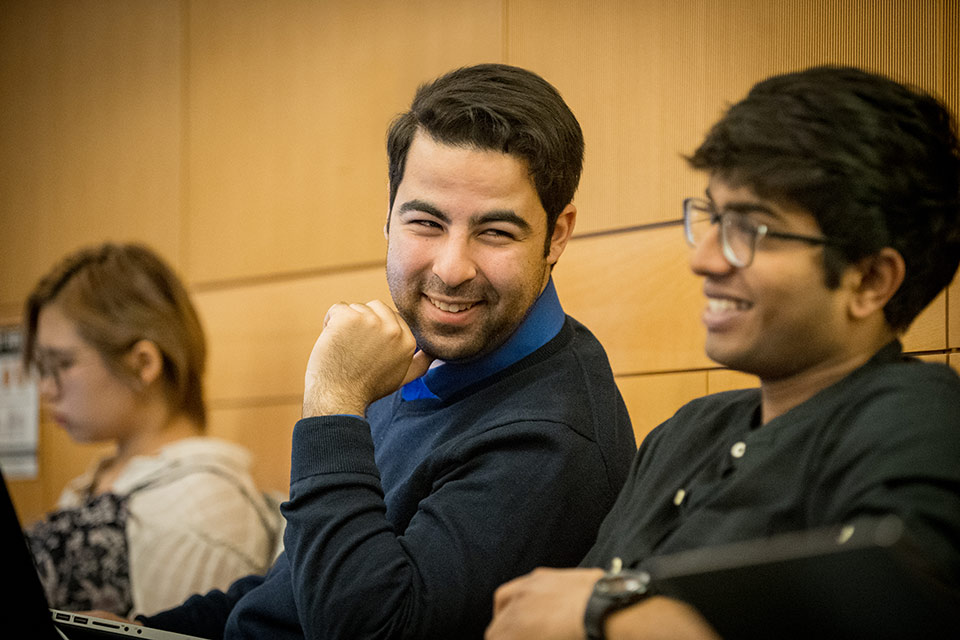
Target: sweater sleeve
(486, 520)
(204, 616)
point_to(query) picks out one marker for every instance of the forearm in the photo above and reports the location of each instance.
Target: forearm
(203, 616)
(659, 618)
(342, 548)
(479, 520)
(549, 604)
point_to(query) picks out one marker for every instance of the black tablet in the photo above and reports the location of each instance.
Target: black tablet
(863, 580)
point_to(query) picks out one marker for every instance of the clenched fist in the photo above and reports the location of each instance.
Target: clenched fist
(364, 352)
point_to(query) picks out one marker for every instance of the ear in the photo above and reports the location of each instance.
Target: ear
(562, 231)
(876, 279)
(145, 361)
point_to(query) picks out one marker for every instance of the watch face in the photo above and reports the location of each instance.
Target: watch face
(625, 582)
(615, 590)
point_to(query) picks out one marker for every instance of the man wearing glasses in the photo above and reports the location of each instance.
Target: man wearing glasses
(831, 219)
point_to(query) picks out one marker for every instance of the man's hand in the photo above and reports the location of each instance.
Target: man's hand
(549, 604)
(364, 352)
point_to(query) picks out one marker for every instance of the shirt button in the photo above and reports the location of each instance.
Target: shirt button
(738, 449)
(679, 496)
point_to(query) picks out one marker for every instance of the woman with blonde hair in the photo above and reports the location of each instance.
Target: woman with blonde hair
(120, 353)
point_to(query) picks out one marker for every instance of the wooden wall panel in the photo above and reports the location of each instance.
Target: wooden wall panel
(651, 399)
(27, 498)
(638, 296)
(617, 65)
(90, 139)
(266, 431)
(90, 133)
(261, 335)
(289, 104)
(726, 380)
(939, 358)
(647, 78)
(953, 314)
(929, 330)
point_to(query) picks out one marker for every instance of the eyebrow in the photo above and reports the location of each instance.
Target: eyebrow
(746, 207)
(495, 215)
(501, 215)
(423, 207)
(54, 352)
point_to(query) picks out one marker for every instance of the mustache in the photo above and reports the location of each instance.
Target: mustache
(468, 291)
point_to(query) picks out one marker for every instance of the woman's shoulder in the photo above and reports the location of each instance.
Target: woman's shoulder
(191, 460)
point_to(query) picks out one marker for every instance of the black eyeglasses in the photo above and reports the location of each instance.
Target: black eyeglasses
(53, 365)
(738, 234)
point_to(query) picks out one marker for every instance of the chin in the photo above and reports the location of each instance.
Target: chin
(443, 347)
(450, 353)
(79, 434)
(728, 358)
(717, 354)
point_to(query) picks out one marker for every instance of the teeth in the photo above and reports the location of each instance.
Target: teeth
(452, 308)
(726, 304)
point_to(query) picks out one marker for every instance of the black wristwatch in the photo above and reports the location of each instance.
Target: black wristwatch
(618, 588)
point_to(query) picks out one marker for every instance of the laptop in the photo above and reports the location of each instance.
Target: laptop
(25, 605)
(863, 580)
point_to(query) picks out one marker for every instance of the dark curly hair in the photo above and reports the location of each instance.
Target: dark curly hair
(875, 162)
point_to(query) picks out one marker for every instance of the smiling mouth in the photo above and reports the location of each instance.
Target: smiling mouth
(451, 307)
(718, 305)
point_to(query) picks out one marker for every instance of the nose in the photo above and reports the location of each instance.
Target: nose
(454, 263)
(48, 387)
(707, 259)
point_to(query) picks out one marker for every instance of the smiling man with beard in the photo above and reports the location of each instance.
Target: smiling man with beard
(472, 434)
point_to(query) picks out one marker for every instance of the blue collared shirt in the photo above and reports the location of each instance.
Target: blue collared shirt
(542, 323)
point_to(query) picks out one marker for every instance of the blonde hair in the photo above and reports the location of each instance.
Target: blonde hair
(117, 295)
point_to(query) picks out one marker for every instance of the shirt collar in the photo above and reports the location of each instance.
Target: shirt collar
(543, 321)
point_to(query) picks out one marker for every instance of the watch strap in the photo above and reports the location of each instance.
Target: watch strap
(602, 603)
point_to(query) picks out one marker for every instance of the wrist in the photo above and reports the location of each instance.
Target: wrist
(321, 400)
(615, 590)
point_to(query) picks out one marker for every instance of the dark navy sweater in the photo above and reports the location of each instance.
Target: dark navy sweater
(404, 524)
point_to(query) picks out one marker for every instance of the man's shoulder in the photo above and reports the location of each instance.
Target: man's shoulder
(582, 337)
(581, 351)
(904, 382)
(733, 407)
(568, 380)
(568, 361)
(574, 362)
(910, 371)
(926, 393)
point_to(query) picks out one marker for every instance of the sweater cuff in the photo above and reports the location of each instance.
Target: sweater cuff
(331, 444)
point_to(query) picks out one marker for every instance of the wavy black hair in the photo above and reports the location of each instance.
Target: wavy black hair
(876, 162)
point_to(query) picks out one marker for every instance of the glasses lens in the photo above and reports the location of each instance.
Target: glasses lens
(739, 238)
(698, 217)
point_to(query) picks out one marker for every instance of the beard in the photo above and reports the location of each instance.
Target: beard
(495, 316)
